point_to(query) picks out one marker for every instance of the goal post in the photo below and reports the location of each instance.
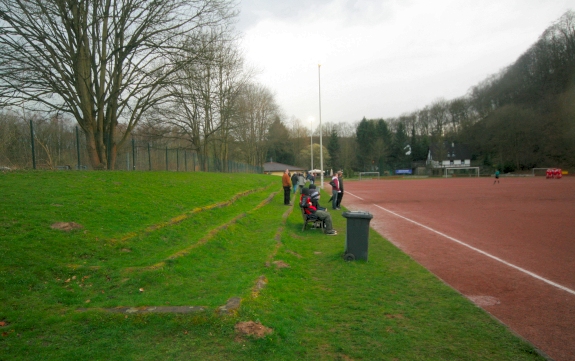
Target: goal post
(472, 171)
(368, 175)
(540, 171)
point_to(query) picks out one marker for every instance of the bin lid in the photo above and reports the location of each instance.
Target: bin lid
(357, 214)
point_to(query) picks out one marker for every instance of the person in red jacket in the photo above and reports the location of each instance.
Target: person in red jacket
(309, 208)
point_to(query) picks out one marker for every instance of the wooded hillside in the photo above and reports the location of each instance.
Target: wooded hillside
(517, 119)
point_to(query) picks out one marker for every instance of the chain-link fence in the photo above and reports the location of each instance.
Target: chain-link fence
(56, 144)
(142, 155)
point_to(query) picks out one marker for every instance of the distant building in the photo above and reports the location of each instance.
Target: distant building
(448, 154)
(274, 168)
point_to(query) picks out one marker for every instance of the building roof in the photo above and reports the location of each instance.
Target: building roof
(280, 167)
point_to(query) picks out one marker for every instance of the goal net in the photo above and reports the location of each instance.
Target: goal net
(461, 172)
(368, 175)
(540, 171)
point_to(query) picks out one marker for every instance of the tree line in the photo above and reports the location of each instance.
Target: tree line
(520, 118)
(517, 119)
(173, 70)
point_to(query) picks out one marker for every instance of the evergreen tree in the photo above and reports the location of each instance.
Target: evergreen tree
(333, 148)
(365, 137)
(278, 138)
(382, 144)
(419, 147)
(400, 140)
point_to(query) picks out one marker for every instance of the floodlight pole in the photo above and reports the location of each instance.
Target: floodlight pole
(311, 141)
(320, 130)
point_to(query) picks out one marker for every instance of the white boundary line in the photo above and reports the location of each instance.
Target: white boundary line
(476, 249)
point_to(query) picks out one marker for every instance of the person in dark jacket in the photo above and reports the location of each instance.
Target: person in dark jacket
(340, 194)
(294, 181)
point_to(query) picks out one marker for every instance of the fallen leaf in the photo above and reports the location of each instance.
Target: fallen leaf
(87, 301)
(73, 277)
(141, 290)
(68, 280)
(3, 323)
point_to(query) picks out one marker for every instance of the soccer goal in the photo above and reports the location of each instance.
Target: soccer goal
(459, 172)
(368, 175)
(540, 171)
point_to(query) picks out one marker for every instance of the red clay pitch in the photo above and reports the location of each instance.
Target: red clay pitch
(508, 247)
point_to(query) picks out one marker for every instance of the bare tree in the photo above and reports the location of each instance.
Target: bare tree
(257, 109)
(202, 103)
(423, 123)
(101, 61)
(299, 135)
(439, 116)
(348, 144)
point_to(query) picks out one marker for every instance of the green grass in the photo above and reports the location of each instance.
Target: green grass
(55, 285)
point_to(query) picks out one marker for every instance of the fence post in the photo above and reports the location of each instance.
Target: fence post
(108, 151)
(32, 142)
(133, 154)
(177, 159)
(166, 157)
(149, 157)
(127, 161)
(78, 146)
(185, 161)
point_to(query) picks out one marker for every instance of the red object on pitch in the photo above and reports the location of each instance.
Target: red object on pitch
(559, 173)
(549, 173)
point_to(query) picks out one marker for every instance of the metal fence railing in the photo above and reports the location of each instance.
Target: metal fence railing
(49, 145)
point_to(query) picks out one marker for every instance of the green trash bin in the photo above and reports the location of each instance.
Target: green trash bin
(357, 235)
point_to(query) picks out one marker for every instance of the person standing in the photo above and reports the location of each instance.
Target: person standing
(286, 183)
(311, 178)
(334, 191)
(294, 181)
(340, 194)
(496, 176)
(300, 181)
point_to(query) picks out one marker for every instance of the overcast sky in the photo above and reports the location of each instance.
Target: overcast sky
(383, 58)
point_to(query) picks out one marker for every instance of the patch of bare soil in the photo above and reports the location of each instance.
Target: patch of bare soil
(66, 226)
(281, 264)
(251, 328)
(483, 301)
(294, 253)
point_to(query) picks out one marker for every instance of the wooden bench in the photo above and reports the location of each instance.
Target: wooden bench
(311, 218)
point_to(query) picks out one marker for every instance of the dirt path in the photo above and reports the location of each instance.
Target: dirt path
(509, 247)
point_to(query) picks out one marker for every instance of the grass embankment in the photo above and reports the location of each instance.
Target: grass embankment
(199, 239)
